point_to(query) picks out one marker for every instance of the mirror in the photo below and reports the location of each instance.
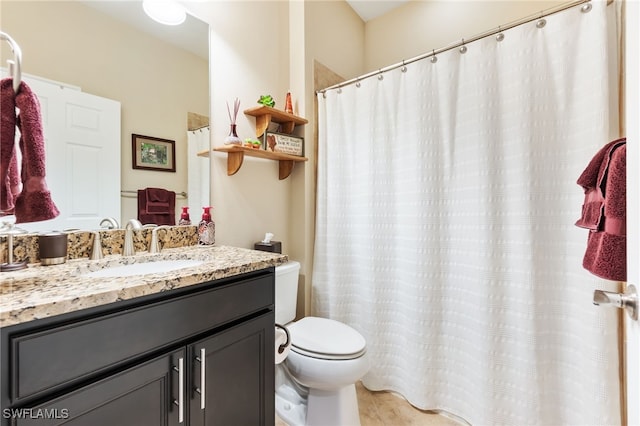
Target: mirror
(112, 50)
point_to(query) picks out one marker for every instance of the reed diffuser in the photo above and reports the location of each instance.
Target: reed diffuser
(233, 138)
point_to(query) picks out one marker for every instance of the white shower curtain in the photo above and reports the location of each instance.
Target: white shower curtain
(445, 211)
(198, 168)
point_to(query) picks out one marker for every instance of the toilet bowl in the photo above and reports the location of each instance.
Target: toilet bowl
(315, 385)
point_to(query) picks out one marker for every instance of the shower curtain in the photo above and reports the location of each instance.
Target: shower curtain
(198, 171)
(445, 226)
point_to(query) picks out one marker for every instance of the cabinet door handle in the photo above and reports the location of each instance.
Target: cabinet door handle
(202, 358)
(180, 401)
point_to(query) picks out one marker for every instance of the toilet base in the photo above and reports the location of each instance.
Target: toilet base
(338, 407)
(319, 408)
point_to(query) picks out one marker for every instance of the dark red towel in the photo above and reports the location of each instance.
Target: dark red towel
(158, 201)
(34, 203)
(159, 214)
(604, 212)
(9, 179)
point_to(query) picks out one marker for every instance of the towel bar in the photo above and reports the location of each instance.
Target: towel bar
(134, 194)
(15, 66)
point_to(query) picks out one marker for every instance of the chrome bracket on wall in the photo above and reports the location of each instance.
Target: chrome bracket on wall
(627, 300)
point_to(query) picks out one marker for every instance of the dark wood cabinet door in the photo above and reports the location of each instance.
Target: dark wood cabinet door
(238, 376)
(140, 396)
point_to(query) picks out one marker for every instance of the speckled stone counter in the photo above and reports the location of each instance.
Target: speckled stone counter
(79, 243)
(44, 291)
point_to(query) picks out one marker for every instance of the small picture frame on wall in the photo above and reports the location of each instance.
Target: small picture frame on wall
(150, 153)
(283, 143)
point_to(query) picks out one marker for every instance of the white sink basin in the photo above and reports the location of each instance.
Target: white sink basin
(156, 267)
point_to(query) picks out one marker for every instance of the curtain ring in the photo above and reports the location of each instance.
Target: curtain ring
(339, 90)
(380, 76)
(463, 48)
(541, 22)
(586, 7)
(404, 67)
(499, 36)
(358, 83)
(434, 58)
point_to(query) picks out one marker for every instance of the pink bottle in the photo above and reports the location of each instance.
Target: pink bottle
(184, 217)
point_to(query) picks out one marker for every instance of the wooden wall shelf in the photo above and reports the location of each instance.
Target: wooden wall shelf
(236, 153)
(265, 115)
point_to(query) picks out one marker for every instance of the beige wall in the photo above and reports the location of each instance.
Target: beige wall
(268, 47)
(156, 83)
(249, 58)
(421, 26)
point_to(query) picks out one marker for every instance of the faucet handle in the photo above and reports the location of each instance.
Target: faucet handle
(96, 250)
(128, 249)
(154, 245)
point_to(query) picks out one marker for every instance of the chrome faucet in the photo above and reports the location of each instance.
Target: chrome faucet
(111, 222)
(96, 250)
(154, 245)
(128, 249)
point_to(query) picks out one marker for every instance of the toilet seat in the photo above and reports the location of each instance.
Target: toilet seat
(326, 339)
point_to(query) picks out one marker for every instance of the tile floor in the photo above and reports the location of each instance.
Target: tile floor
(388, 409)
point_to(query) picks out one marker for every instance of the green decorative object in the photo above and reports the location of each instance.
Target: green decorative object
(267, 100)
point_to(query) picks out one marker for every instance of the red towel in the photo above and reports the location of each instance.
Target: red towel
(604, 212)
(34, 202)
(9, 180)
(158, 201)
(156, 205)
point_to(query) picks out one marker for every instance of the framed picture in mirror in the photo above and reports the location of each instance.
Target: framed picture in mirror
(150, 153)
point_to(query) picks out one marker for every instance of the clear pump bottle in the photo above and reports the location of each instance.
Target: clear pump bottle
(206, 228)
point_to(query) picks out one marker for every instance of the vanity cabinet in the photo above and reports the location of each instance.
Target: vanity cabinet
(199, 355)
(238, 388)
(139, 396)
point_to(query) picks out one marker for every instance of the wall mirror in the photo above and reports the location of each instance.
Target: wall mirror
(158, 74)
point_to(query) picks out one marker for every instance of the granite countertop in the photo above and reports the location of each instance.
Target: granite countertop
(44, 291)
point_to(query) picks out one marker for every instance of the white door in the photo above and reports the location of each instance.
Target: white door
(82, 141)
(632, 328)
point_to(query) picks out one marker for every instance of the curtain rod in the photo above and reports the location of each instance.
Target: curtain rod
(495, 31)
(206, 126)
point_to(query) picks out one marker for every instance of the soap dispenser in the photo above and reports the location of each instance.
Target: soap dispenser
(184, 217)
(206, 228)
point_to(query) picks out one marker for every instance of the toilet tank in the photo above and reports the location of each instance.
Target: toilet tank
(286, 292)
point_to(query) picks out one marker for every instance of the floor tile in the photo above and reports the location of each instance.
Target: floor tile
(389, 409)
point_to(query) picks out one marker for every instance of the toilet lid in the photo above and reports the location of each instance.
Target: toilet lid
(326, 338)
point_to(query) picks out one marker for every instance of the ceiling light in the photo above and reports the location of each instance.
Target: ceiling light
(166, 12)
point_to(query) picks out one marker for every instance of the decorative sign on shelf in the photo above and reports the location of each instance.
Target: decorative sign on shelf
(285, 144)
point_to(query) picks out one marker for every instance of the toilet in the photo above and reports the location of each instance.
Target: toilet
(315, 384)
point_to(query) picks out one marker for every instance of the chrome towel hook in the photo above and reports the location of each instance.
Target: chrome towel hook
(15, 65)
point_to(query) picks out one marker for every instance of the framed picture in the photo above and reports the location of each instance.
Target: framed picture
(151, 153)
(285, 144)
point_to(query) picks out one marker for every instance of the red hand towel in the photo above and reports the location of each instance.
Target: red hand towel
(9, 180)
(34, 203)
(158, 201)
(604, 212)
(145, 217)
